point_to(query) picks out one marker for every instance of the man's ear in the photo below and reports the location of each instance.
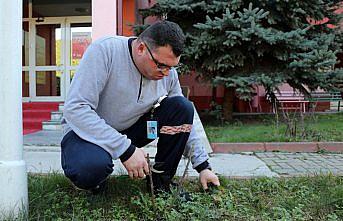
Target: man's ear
(140, 48)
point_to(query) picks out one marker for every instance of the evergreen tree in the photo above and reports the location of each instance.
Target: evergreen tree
(240, 44)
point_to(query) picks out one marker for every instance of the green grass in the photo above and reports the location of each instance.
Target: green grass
(264, 129)
(52, 197)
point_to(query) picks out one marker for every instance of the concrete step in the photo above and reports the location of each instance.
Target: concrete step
(61, 107)
(34, 113)
(52, 125)
(56, 115)
(55, 121)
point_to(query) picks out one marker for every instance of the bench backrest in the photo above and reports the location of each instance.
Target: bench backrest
(289, 96)
(325, 96)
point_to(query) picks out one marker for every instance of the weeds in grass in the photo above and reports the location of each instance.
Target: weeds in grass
(52, 197)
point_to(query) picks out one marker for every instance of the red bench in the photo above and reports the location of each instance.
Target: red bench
(290, 100)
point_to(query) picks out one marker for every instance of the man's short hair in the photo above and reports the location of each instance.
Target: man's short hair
(163, 33)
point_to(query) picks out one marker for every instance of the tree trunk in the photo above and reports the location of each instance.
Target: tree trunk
(228, 103)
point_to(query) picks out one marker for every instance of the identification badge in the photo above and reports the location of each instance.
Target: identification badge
(151, 129)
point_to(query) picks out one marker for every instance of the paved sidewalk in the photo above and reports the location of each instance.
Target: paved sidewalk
(249, 165)
(300, 164)
(43, 160)
(42, 154)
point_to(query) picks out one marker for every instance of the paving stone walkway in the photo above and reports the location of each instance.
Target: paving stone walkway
(42, 154)
(300, 164)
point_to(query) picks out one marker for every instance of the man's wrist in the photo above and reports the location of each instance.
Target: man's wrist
(128, 153)
(203, 166)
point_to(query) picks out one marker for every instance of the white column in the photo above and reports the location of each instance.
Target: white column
(13, 176)
(104, 18)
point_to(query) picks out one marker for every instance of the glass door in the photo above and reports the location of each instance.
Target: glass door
(52, 49)
(48, 70)
(79, 37)
(50, 56)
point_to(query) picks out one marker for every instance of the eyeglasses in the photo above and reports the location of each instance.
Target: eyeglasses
(160, 66)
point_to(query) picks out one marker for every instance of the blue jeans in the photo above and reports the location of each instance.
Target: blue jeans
(87, 165)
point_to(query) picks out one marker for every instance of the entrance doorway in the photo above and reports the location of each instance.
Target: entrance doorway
(52, 48)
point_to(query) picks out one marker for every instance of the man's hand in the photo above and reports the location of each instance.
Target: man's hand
(207, 176)
(137, 165)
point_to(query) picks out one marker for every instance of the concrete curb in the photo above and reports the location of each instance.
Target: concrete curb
(336, 147)
(37, 148)
(278, 146)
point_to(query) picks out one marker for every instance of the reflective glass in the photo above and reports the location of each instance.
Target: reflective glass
(48, 83)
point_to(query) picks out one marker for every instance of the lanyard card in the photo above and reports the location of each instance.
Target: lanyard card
(152, 129)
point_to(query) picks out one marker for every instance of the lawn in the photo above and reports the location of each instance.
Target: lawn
(52, 197)
(328, 127)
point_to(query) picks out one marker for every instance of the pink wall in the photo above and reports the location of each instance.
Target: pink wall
(198, 88)
(104, 18)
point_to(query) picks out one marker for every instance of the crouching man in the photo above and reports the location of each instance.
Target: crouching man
(126, 93)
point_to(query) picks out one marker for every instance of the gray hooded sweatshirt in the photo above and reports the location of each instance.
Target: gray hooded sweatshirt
(104, 98)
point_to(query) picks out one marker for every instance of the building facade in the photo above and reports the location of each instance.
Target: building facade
(56, 33)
